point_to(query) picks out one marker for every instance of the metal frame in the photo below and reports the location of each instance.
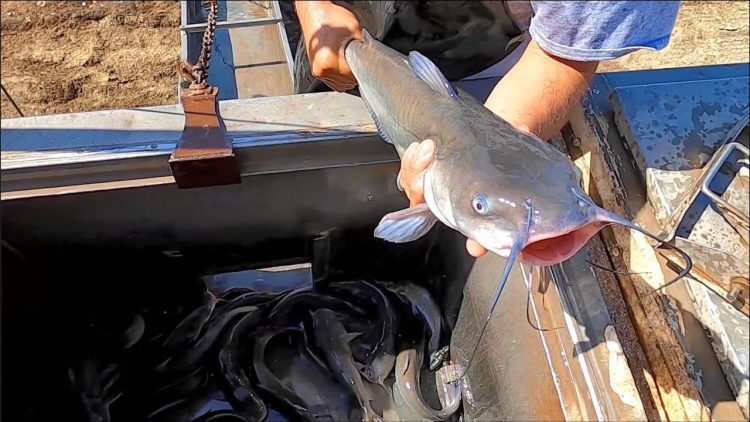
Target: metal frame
(267, 135)
(243, 23)
(713, 170)
(707, 355)
(190, 48)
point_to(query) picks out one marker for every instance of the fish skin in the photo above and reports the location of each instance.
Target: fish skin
(422, 304)
(240, 386)
(194, 354)
(381, 359)
(268, 381)
(134, 332)
(325, 398)
(330, 336)
(408, 367)
(183, 385)
(93, 387)
(479, 157)
(188, 330)
(193, 407)
(281, 312)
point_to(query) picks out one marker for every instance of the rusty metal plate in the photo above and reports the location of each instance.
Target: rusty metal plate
(204, 155)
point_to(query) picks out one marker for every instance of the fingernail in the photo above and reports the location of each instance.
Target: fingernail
(425, 150)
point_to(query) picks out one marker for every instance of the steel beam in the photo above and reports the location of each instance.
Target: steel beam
(244, 23)
(81, 152)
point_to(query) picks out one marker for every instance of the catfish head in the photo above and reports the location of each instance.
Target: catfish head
(538, 207)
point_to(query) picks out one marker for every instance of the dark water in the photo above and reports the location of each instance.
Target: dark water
(84, 341)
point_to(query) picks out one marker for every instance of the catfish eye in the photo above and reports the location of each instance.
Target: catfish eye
(481, 204)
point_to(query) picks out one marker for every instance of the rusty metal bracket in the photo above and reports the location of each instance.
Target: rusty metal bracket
(737, 218)
(204, 155)
(715, 263)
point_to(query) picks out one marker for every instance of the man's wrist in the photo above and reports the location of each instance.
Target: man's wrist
(535, 96)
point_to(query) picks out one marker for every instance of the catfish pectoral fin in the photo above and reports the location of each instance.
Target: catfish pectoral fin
(406, 225)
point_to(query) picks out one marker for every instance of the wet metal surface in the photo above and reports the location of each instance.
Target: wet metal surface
(670, 122)
(728, 329)
(713, 229)
(251, 56)
(677, 127)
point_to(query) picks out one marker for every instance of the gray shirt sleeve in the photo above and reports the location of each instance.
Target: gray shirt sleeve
(602, 30)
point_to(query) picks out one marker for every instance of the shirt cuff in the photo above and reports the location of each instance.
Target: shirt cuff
(590, 55)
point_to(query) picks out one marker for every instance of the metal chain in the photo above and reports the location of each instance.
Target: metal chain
(201, 69)
(198, 73)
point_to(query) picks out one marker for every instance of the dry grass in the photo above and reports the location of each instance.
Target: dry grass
(707, 32)
(60, 57)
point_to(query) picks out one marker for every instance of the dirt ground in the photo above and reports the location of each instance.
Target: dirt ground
(60, 57)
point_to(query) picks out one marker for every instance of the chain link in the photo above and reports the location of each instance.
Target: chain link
(198, 73)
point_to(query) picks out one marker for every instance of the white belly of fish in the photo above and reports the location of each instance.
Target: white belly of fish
(439, 204)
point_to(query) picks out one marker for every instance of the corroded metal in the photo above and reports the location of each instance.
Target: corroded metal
(739, 290)
(684, 144)
(204, 154)
(672, 123)
(713, 228)
(673, 130)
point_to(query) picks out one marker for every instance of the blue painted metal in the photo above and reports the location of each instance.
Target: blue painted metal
(670, 124)
(605, 83)
(678, 126)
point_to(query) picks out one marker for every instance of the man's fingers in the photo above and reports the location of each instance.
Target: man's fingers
(416, 191)
(409, 153)
(423, 156)
(475, 249)
(338, 84)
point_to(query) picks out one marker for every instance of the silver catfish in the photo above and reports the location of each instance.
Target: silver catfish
(515, 194)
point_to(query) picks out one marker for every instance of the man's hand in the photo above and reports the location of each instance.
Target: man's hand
(327, 28)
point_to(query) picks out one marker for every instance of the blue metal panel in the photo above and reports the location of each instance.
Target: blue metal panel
(678, 126)
(673, 121)
(604, 83)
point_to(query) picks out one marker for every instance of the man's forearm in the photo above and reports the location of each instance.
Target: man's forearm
(536, 94)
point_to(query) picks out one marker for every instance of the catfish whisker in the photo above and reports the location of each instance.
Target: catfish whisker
(515, 251)
(611, 270)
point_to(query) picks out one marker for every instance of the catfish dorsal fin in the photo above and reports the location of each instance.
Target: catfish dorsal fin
(366, 36)
(428, 72)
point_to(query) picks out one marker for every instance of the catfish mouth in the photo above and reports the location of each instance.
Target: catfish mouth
(556, 249)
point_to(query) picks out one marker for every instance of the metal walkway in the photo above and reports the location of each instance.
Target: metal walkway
(251, 55)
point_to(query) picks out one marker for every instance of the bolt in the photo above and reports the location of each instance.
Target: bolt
(734, 293)
(576, 141)
(739, 287)
(615, 250)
